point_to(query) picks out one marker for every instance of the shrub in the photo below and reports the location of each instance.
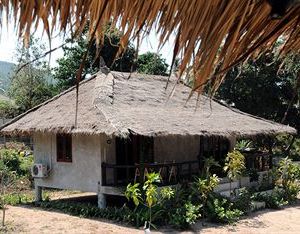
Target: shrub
(15, 198)
(288, 179)
(242, 201)
(203, 187)
(123, 214)
(149, 196)
(16, 162)
(273, 201)
(221, 210)
(185, 215)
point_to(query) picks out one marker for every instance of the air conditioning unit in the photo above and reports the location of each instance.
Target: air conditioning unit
(39, 170)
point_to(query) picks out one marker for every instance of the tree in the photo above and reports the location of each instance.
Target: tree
(65, 72)
(8, 109)
(152, 63)
(265, 88)
(30, 86)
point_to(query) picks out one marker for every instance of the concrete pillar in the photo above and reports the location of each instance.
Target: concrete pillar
(101, 197)
(38, 193)
(101, 200)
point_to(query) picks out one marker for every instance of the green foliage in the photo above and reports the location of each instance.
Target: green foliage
(167, 193)
(243, 145)
(234, 164)
(149, 189)
(275, 200)
(284, 142)
(68, 65)
(30, 86)
(14, 161)
(242, 201)
(288, 178)
(221, 210)
(265, 87)
(7, 109)
(123, 214)
(133, 192)
(152, 63)
(17, 198)
(204, 187)
(7, 181)
(208, 163)
(185, 215)
(148, 196)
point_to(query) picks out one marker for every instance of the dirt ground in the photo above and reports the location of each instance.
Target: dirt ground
(24, 219)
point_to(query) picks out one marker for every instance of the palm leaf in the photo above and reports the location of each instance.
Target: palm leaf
(214, 35)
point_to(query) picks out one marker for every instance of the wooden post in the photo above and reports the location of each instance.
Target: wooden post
(115, 176)
(103, 174)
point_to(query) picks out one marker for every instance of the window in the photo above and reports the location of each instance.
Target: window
(64, 147)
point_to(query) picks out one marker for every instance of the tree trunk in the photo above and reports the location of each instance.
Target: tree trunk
(3, 215)
(2, 201)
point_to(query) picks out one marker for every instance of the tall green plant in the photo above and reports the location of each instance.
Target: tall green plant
(202, 188)
(289, 178)
(149, 195)
(234, 165)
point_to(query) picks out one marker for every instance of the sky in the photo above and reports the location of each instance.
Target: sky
(9, 42)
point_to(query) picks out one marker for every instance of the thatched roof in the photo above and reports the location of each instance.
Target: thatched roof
(212, 35)
(119, 103)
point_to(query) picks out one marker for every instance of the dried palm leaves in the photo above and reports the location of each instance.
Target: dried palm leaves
(212, 36)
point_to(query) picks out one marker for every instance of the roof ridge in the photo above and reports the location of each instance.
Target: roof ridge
(47, 101)
(104, 92)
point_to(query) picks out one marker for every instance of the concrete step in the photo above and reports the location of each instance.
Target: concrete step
(225, 193)
(226, 186)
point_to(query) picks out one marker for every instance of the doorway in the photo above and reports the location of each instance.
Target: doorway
(133, 150)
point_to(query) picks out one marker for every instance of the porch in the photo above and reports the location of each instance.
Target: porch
(171, 172)
(116, 177)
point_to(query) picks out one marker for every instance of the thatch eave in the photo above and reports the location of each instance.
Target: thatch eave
(254, 134)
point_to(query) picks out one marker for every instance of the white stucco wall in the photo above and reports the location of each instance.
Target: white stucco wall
(88, 152)
(84, 172)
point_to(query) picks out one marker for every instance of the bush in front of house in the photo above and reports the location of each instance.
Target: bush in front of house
(242, 201)
(123, 214)
(160, 206)
(275, 200)
(288, 179)
(221, 210)
(185, 206)
(185, 215)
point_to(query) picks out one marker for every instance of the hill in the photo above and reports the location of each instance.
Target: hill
(6, 69)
